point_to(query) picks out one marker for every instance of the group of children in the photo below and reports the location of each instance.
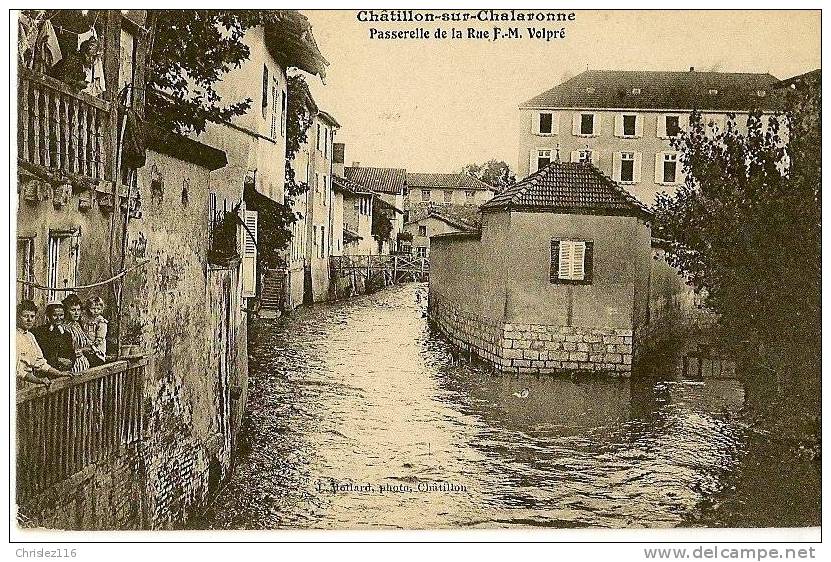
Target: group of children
(73, 338)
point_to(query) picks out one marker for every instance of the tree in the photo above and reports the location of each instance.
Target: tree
(190, 52)
(493, 172)
(746, 225)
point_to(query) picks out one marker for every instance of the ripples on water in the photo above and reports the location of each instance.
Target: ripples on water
(362, 391)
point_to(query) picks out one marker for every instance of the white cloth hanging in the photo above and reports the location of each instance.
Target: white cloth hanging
(91, 34)
(94, 74)
(50, 49)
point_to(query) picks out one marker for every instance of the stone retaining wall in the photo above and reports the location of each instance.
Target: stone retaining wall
(534, 348)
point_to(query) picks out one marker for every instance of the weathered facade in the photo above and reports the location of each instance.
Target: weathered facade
(556, 281)
(149, 435)
(431, 223)
(623, 121)
(445, 189)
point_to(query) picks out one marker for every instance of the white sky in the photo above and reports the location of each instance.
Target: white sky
(435, 105)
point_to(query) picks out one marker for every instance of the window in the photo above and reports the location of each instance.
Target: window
(542, 159)
(629, 125)
(275, 117)
(761, 93)
(421, 251)
(325, 190)
(712, 92)
(448, 195)
(425, 194)
(325, 142)
(25, 266)
(317, 138)
(546, 123)
(283, 114)
(586, 124)
(627, 167)
(571, 261)
(586, 156)
(666, 168)
(714, 124)
(470, 193)
(323, 242)
(317, 182)
(422, 230)
(590, 90)
(673, 126)
(62, 268)
(265, 91)
(636, 91)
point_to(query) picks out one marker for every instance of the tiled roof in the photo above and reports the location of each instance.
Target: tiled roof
(452, 221)
(382, 180)
(440, 181)
(468, 214)
(568, 187)
(347, 186)
(613, 89)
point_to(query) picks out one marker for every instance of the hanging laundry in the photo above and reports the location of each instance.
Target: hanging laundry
(27, 34)
(91, 34)
(49, 51)
(95, 78)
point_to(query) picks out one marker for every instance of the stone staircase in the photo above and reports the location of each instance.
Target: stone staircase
(273, 290)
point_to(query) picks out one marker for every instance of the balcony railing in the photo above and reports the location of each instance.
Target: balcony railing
(59, 128)
(77, 421)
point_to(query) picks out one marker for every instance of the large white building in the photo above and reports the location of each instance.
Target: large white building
(623, 121)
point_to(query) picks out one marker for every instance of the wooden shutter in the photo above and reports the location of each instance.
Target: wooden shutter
(564, 267)
(684, 122)
(659, 168)
(575, 155)
(578, 256)
(553, 274)
(555, 123)
(597, 123)
(249, 256)
(265, 90)
(639, 126)
(617, 158)
(661, 127)
(535, 123)
(636, 168)
(618, 125)
(532, 163)
(575, 123)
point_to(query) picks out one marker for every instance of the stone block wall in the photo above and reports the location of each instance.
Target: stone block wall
(534, 348)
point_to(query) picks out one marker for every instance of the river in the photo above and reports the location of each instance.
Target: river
(359, 418)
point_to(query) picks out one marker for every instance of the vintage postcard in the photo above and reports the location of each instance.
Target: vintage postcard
(417, 269)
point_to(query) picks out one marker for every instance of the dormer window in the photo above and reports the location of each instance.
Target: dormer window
(761, 93)
(636, 91)
(590, 90)
(712, 92)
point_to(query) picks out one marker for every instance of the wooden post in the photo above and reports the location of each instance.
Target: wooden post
(26, 117)
(36, 125)
(395, 269)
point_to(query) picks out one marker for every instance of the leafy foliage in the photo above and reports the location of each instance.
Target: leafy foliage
(493, 172)
(191, 51)
(381, 224)
(746, 226)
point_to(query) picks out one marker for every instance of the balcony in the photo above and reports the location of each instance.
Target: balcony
(60, 129)
(76, 422)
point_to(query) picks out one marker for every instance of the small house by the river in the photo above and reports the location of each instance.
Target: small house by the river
(557, 280)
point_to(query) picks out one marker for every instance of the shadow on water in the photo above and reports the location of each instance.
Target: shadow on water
(362, 392)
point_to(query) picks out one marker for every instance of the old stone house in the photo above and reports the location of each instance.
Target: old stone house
(432, 223)
(623, 121)
(556, 280)
(389, 186)
(445, 189)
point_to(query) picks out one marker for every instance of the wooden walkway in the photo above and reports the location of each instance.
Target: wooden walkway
(390, 268)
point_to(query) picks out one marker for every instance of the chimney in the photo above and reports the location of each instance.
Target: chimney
(692, 69)
(338, 153)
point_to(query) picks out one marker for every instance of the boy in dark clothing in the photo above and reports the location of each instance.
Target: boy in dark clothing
(54, 339)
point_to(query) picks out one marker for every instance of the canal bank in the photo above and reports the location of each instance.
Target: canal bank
(362, 392)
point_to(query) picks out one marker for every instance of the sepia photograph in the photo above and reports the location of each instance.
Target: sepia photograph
(463, 269)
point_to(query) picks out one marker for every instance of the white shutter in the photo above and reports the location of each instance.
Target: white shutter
(677, 169)
(555, 123)
(636, 175)
(639, 126)
(575, 155)
(597, 123)
(616, 159)
(662, 127)
(575, 124)
(564, 270)
(659, 168)
(684, 122)
(578, 258)
(618, 125)
(535, 123)
(249, 256)
(532, 163)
